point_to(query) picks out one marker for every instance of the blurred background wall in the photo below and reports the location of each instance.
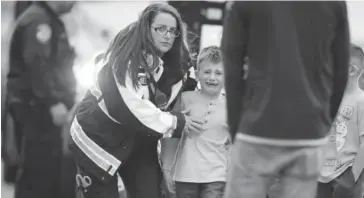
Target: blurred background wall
(92, 24)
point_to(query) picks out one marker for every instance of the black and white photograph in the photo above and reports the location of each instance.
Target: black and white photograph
(182, 99)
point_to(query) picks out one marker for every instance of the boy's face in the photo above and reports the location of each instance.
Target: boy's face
(211, 77)
(355, 66)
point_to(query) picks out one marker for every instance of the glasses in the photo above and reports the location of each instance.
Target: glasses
(163, 30)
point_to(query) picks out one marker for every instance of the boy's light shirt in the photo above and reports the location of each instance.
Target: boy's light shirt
(344, 138)
(204, 158)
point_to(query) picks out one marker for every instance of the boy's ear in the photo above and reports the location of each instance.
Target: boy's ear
(353, 70)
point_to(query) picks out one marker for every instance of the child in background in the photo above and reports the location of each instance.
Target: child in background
(342, 173)
(202, 159)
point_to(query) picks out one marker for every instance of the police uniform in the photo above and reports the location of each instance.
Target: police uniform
(116, 129)
(40, 75)
(10, 168)
(20, 7)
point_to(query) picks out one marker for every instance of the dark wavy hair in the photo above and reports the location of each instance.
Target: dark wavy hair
(131, 44)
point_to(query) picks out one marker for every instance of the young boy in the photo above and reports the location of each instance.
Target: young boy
(342, 173)
(201, 166)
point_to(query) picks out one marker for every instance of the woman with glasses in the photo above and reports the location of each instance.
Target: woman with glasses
(117, 125)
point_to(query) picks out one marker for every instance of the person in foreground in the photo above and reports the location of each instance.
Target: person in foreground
(342, 173)
(117, 125)
(280, 116)
(201, 165)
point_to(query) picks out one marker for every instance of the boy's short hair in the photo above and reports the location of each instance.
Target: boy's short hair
(357, 51)
(212, 54)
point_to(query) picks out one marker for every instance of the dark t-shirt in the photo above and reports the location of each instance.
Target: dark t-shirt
(298, 62)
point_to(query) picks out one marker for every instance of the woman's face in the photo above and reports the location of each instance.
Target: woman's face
(164, 31)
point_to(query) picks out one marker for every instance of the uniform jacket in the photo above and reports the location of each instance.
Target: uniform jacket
(41, 59)
(40, 70)
(111, 115)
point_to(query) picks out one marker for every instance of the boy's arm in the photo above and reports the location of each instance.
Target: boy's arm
(178, 106)
(358, 165)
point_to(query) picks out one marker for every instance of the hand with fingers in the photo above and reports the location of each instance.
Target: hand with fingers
(194, 126)
(59, 114)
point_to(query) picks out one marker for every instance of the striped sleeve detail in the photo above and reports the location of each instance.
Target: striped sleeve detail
(144, 110)
(98, 155)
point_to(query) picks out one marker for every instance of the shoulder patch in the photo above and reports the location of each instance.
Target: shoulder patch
(228, 5)
(44, 33)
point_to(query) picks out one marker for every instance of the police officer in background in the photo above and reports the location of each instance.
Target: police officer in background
(41, 89)
(10, 161)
